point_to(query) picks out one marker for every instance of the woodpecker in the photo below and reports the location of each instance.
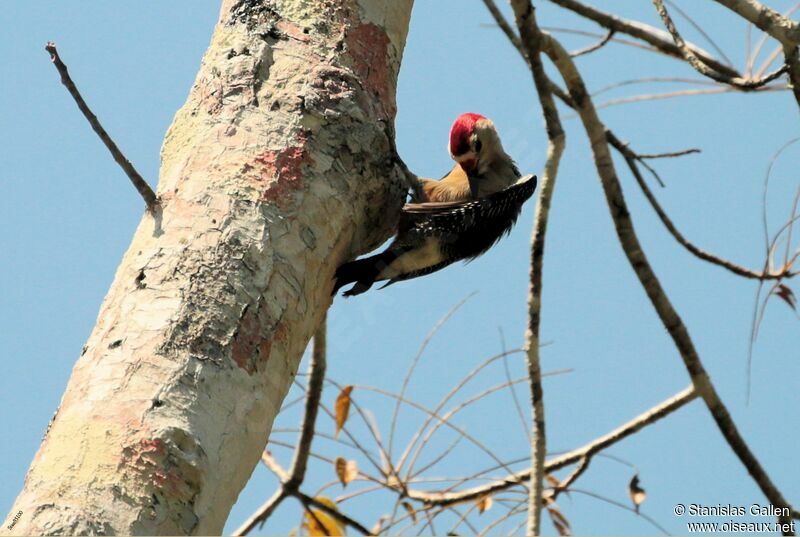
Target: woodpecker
(482, 165)
(457, 218)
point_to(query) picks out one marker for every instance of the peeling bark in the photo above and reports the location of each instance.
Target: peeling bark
(278, 167)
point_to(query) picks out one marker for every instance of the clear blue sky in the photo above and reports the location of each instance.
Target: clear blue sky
(69, 214)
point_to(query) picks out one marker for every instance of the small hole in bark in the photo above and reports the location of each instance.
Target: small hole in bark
(158, 403)
(140, 280)
(84, 349)
(115, 344)
(306, 30)
(213, 220)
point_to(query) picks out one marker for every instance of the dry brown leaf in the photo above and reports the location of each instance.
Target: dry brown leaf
(787, 295)
(484, 504)
(410, 510)
(346, 470)
(637, 493)
(559, 520)
(317, 523)
(342, 408)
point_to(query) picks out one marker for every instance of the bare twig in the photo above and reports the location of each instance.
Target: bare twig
(593, 47)
(587, 451)
(580, 468)
(701, 31)
(654, 37)
(767, 19)
(701, 67)
(531, 39)
(683, 93)
(414, 363)
(513, 38)
(596, 132)
(512, 389)
(615, 503)
(139, 183)
(631, 159)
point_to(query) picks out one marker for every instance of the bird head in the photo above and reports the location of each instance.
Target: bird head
(473, 140)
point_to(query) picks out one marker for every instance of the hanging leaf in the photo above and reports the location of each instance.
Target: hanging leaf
(318, 523)
(559, 520)
(637, 493)
(346, 470)
(787, 295)
(342, 408)
(410, 510)
(484, 504)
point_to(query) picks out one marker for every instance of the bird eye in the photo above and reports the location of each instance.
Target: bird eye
(478, 146)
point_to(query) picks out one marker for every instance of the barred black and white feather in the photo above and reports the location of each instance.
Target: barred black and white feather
(434, 235)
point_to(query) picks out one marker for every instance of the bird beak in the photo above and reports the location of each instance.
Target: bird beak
(469, 165)
(473, 186)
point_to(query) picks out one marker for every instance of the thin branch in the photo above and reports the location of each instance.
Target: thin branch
(651, 520)
(416, 360)
(513, 390)
(596, 133)
(531, 38)
(504, 25)
(682, 93)
(316, 382)
(767, 19)
(595, 46)
(262, 513)
(657, 79)
(763, 41)
(139, 183)
(580, 468)
(669, 154)
(701, 31)
(702, 68)
(645, 32)
(587, 451)
(631, 159)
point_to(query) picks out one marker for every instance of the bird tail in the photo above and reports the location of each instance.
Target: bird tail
(363, 272)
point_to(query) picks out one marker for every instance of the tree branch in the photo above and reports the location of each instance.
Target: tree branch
(693, 60)
(646, 33)
(531, 40)
(631, 158)
(766, 19)
(149, 197)
(587, 451)
(596, 132)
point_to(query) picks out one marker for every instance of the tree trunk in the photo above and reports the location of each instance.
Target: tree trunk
(279, 167)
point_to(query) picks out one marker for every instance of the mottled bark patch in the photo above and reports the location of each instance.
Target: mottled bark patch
(368, 45)
(282, 173)
(167, 472)
(250, 348)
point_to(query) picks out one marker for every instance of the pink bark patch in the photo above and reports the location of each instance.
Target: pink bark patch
(369, 48)
(292, 30)
(151, 462)
(281, 171)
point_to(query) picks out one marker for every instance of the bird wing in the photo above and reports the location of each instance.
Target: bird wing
(467, 229)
